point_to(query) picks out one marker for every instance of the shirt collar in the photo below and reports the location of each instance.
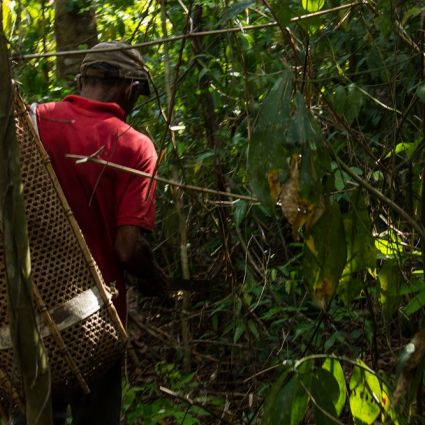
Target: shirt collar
(96, 106)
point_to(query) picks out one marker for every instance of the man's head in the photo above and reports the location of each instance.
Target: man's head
(113, 76)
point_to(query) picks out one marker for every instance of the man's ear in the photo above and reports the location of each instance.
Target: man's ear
(78, 83)
(132, 90)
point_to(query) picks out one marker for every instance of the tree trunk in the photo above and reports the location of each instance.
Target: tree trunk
(29, 351)
(75, 27)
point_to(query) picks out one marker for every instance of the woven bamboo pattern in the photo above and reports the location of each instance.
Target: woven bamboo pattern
(62, 268)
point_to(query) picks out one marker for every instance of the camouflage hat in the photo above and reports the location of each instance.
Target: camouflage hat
(128, 63)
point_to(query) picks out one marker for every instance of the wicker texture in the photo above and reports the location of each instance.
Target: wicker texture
(61, 268)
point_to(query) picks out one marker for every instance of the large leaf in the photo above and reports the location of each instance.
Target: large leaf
(416, 303)
(267, 147)
(325, 254)
(361, 251)
(300, 129)
(390, 279)
(334, 367)
(365, 391)
(282, 12)
(7, 11)
(310, 186)
(287, 401)
(347, 101)
(235, 10)
(313, 5)
(325, 390)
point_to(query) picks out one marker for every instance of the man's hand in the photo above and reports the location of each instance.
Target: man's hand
(136, 257)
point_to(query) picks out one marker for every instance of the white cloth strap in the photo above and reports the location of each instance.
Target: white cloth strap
(73, 311)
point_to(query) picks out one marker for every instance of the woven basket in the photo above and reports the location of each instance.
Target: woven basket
(83, 334)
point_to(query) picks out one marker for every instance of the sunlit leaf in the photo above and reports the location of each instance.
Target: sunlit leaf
(365, 389)
(323, 269)
(390, 279)
(334, 367)
(403, 147)
(7, 11)
(267, 150)
(313, 5)
(390, 246)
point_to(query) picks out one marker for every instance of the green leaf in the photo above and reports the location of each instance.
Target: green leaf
(339, 98)
(287, 401)
(420, 92)
(313, 5)
(240, 329)
(353, 104)
(334, 367)
(408, 148)
(310, 186)
(325, 390)
(390, 279)
(235, 10)
(325, 253)
(416, 303)
(300, 129)
(364, 387)
(282, 12)
(412, 286)
(7, 11)
(410, 13)
(253, 328)
(266, 151)
(239, 212)
(361, 251)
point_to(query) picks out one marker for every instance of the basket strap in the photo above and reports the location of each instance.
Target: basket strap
(68, 314)
(33, 116)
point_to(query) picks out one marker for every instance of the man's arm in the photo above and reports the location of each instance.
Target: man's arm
(136, 256)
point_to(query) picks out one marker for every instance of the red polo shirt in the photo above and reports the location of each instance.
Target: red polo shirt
(101, 198)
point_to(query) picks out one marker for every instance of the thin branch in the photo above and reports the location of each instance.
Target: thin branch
(375, 192)
(193, 34)
(193, 403)
(81, 159)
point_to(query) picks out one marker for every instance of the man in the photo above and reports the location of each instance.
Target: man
(114, 210)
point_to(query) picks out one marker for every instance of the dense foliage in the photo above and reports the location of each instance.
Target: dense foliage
(308, 298)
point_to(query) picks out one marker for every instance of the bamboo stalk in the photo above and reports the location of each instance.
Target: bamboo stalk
(196, 34)
(29, 351)
(178, 198)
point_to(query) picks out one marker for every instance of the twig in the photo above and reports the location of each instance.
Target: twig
(193, 403)
(85, 159)
(193, 34)
(371, 189)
